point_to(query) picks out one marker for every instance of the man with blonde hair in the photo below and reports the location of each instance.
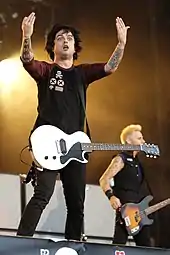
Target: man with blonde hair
(129, 184)
(128, 131)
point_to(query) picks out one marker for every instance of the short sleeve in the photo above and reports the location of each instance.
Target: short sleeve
(93, 72)
(37, 69)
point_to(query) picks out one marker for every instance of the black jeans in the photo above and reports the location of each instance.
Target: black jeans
(143, 238)
(73, 180)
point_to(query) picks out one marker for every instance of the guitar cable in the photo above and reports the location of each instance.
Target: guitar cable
(31, 175)
(20, 156)
(30, 165)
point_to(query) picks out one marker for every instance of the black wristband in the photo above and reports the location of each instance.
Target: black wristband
(109, 193)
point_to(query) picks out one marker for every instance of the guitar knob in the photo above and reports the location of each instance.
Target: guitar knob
(54, 157)
(46, 157)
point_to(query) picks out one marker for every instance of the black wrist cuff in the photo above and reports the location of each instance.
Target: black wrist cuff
(109, 193)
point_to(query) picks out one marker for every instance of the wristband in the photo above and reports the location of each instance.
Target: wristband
(109, 193)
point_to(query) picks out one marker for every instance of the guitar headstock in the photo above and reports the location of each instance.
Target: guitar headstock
(151, 150)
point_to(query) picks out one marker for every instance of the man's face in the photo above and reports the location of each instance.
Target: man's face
(135, 138)
(64, 45)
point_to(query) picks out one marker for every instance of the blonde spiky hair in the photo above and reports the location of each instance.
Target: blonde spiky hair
(128, 130)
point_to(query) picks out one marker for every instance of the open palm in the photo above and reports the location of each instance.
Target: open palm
(121, 30)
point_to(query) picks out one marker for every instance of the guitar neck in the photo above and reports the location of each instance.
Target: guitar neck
(157, 207)
(109, 147)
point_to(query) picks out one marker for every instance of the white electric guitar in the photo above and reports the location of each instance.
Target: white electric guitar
(53, 149)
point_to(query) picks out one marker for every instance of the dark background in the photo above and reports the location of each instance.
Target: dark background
(138, 92)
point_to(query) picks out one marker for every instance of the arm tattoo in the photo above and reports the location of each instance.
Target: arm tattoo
(26, 50)
(115, 58)
(115, 166)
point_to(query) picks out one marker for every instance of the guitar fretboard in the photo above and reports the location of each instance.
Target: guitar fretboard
(156, 207)
(107, 146)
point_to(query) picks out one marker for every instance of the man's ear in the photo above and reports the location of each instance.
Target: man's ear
(128, 139)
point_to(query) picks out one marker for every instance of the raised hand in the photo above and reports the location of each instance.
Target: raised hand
(121, 31)
(28, 25)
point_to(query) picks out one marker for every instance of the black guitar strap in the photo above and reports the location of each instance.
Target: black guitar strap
(82, 95)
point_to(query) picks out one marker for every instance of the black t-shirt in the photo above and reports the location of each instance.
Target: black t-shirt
(59, 103)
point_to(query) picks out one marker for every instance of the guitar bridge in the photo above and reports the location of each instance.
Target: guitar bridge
(63, 146)
(134, 230)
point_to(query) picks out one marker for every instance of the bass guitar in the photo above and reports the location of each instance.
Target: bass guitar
(135, 216)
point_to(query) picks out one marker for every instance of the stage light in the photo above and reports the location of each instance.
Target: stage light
(10, 70)
(15, 15)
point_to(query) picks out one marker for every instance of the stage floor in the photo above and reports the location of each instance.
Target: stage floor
(12, 245)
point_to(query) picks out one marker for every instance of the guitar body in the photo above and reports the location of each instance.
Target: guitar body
(135, 217)
(53, 149)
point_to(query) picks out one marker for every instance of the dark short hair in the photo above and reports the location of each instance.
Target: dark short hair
(51, 37)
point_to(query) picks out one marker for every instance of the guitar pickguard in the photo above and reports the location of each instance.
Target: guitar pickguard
(74, 153)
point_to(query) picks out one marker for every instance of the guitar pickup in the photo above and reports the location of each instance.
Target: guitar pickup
(137, 217)
(63, 146)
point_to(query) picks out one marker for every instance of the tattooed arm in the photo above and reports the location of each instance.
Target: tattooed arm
(117, 55)
(115, 166)
(115, 59)
(27, 31)
(37, 69)
(26, 50)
